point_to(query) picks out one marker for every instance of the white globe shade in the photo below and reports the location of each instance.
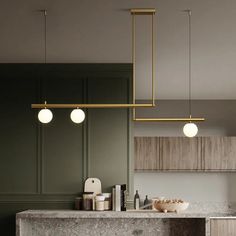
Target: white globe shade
(77, 116)
(190, 130)
(45, 116)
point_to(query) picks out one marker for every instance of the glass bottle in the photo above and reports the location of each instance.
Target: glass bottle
(146, 201)
(136, 201)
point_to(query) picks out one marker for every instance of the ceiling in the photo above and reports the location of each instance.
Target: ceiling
(100, 31)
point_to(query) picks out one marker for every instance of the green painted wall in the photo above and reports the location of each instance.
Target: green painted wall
(44, 167)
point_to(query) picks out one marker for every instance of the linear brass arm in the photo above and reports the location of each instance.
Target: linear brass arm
(169, 119)
(41, 106)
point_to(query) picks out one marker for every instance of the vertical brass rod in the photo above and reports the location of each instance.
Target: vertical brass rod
(133, 62)
(190, 62)
(153, 61)
(45, 35)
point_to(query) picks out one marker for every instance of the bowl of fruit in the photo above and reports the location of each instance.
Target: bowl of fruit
(170, 205)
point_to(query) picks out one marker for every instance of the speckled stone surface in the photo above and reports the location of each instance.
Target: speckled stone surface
(73, 214)
(85, 223)
(210, 207)
(109, 227)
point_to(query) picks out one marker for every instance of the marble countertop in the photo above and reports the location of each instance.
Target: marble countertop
(73, 214)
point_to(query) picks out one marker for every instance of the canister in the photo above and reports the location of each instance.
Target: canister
(107, 201)
(100, 202)
(78, 203)
(88, 198)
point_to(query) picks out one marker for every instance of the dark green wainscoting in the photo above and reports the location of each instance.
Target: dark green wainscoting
(44, 166)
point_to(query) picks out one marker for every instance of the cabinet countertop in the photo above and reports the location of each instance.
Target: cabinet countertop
(73, 214)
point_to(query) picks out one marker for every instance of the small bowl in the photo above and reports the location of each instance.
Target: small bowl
(170, 207)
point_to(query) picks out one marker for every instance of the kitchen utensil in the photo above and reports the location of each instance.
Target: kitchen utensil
(93, 185)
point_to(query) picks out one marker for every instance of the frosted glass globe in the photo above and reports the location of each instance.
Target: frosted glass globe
(77, 116)
(190, 130)
(45, 116)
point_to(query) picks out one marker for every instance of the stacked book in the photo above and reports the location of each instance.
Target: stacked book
(119, 197)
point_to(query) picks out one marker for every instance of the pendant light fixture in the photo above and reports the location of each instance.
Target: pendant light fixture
(77, 115)
(190, 129)
(45, 115)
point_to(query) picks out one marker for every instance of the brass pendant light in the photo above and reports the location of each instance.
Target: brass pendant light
(190, 129)
(189, 119)
(77, 115)
(45, 115)
(75, 105)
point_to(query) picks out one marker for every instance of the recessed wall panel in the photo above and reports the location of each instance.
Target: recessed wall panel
(62, 140)
(18, 133)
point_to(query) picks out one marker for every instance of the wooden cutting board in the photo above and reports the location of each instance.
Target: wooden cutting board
(93, 185)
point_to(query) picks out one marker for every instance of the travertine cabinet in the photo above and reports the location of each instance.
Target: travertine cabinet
(185, 154)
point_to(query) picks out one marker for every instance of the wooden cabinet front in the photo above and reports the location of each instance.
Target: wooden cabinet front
(223, 227)
(219, 153)
(185, 154)
(180, 153)
(146, 153)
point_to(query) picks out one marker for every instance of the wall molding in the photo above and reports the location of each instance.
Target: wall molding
(86, 70)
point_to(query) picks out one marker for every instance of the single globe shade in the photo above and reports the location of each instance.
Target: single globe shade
(77, 115)
(45, 116)
(190, 130)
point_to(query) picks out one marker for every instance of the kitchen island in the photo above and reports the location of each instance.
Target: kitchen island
(86, 223)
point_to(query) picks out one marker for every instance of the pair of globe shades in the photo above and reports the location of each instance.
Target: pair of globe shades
(45, 116)
(78, 116)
